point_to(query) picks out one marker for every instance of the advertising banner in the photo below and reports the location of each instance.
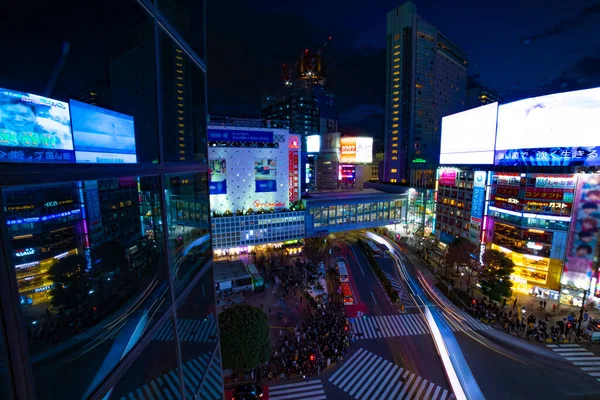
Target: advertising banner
(581, 248)
(313, 144)
(348, 150)
(478, 194)
(541, 194)
(293, 165)
(549, 156)
(101, 135)
(265, 175)
(239, 135)
(364, 150)
(218, 176)
(34, 129)
(555, 182)
(448, 177)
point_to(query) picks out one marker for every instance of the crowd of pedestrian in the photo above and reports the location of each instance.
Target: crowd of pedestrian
(519, 321)
(319, 341)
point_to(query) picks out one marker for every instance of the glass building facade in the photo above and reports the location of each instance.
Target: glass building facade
(106, 274)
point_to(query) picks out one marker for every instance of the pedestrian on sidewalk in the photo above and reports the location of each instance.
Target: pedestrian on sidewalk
(515, 304)
(554, 307)
(544, 304)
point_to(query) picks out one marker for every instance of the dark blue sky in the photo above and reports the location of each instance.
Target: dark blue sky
(518, 48)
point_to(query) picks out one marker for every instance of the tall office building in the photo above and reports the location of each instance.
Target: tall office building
(426, 77)
(478, 95)
(106, 272)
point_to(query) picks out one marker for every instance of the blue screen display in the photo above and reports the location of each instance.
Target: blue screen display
(101, 135)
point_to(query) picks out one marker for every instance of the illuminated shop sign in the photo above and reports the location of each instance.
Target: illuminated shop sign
(27, 265)
(548, 194)
(508, 180)
(25, 252)
(258, 204)
(534, 246)
(293, 142)
(20, 208)
(448, 177)
(44, 218)
(238, 135)
(43, 288)
(58, 203)
(555, 182)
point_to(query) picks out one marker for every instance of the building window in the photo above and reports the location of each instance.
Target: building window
(394, 138)
(394, 144)
(394, 151)
(394, 170)
(394, 158)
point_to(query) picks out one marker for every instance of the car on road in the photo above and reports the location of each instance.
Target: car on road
(247, 392)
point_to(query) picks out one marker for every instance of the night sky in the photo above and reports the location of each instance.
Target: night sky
(517, 48)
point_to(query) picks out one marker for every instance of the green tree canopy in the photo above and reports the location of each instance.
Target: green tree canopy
(315, 249)
(245, 341)
(71, 282)
(495, 275)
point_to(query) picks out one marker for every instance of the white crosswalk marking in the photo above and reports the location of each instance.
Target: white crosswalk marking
(405, 325)
(401, 292)
(366, 376)
(167, 386)
(190, 330)
(312, 390)
(580, 357)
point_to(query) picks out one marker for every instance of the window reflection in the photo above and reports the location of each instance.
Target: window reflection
(188, 224)
(89, 262)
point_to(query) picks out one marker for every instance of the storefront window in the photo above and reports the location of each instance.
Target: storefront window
(85, 255)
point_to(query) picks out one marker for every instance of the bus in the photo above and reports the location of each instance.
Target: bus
(347, 294)
(376, 250)
(341, 269)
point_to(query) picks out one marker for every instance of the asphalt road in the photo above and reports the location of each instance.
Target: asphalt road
(507, 367)
(402, 366)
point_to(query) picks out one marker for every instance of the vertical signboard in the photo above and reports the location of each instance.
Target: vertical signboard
(583, 238)
(477, 205)
(93, 211)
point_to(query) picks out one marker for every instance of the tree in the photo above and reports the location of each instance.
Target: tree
(495, 275)
(315, 249)
(71, 282)
(245, 340)
(462, 253)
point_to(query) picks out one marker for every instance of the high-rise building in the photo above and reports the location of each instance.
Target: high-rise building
(106, 268)
(478, 95)
(307, 108)
(426, 77)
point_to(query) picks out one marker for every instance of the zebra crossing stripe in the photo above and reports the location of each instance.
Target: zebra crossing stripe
(580, 357)
(302, 390)
(366, 376)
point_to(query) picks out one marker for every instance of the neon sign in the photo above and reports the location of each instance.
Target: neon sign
(26, 252)
(44, 218)
(43, 288)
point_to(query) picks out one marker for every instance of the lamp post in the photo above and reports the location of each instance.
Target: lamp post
(585, 294)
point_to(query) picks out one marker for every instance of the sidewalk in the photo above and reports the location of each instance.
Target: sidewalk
(531, 303)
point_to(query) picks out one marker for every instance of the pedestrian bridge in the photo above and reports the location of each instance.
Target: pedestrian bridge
(346, 210)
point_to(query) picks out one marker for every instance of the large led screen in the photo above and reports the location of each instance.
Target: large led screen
(469, 136)
(556, 130)
(34, 129)
(101, 135)
(313, 143)
(265, 175)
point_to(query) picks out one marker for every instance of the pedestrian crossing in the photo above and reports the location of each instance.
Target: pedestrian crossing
(189, 330)
(311, 390)
(406, 300)
(368, 376)
(580, 357)
(168, 387)
(396, 325)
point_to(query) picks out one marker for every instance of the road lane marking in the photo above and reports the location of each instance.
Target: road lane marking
(372, 295)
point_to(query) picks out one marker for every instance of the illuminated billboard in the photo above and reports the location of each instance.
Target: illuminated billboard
(469, 137)
(265, 175)
(218, 176)
(447, 177)
(355, 150)
(101, 135)
(34, 129)
(556, 130)
(581, 249)
(313, 143)
(364, 150)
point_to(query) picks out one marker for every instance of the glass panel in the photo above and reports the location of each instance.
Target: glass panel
(198, 334)
(5, 388)
(89, 261)
(189, 227)
(184, 108)
(154, 373)
(186, 16)
(76, 56)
